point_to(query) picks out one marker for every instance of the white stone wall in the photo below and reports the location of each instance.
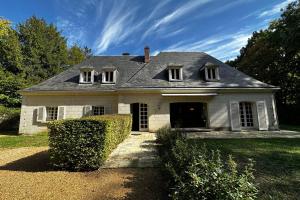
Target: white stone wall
(158, 108)
(73, 108)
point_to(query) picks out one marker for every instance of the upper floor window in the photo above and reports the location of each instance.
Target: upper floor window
(86, 75)
(212, 72)
(109, 75)
(175, 73)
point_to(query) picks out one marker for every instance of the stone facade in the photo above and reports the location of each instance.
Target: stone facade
(218, 108)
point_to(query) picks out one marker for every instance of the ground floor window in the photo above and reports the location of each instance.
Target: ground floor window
(188, 115)
(98, 110)
(246, 114)
(51, 113)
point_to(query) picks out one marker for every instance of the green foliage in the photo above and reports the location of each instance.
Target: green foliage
(76, 54)
(273, 56)
(32, 53)
(9, 118)
(4, 27)
(43, 48)
(197, 173)
(84, 144)
(10, 48)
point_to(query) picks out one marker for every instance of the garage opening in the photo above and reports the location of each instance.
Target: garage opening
(188, 115)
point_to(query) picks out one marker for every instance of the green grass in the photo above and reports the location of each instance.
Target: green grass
(277, 163)
(290, 127)
(15, 141)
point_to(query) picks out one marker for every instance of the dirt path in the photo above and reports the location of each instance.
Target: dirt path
(24, 174)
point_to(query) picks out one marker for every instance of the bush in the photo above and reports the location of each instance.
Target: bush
(196, 173)
(84, 144)
(9, 118)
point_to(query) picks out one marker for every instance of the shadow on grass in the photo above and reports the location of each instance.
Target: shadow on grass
(9, 133)
(38, 162)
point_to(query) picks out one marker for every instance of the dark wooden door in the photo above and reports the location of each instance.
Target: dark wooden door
(135, 111)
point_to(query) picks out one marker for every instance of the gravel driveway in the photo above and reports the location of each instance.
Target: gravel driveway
(24, 174)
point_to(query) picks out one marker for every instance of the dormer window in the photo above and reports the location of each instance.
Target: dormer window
(175, 72)
(109, 75)
(86, 75)
(211, 72)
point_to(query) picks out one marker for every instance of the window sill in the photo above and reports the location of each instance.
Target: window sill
(109, 83)
(175, 80)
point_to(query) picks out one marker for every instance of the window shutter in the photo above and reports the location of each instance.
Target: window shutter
(262, 116)
(107, 109)
(235, 116)
(41, 114)
(61, 112)
(87, 110)
(115, 76)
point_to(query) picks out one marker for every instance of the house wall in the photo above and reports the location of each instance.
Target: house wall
(73, 108)
(158, 108)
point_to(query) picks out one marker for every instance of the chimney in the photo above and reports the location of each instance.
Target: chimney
(147, 54)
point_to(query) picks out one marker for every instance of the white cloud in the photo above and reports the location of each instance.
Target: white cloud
(73, 33)
(174, 15)
(117, 27)
(223, 47)
(275, 9)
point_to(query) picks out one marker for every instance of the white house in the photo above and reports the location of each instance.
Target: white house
(180, 89)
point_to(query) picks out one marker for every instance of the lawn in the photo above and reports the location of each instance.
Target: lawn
(15, 141)
(277, 163)
(290, 127)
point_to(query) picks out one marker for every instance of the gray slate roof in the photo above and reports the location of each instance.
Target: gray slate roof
(132, 72)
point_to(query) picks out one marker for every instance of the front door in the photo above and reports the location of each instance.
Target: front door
(139, 113)
(187, 115)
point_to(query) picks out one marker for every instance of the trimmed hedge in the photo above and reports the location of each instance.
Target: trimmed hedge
(9, 118)
(84, 144)
(200, 174)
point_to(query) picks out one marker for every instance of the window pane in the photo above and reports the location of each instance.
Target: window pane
(51, 113)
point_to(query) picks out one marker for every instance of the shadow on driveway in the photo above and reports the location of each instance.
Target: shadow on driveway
(38, 162)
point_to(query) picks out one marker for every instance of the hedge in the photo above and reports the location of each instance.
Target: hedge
(196, 173)
(9, 118)
(84, 144)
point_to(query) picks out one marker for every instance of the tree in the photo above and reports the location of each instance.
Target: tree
(10, 49)
(273, 56)
(43, 47)
(77, 54)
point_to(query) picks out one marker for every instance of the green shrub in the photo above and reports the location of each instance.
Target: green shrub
(84, 144)
(9, 118)
(197, 173)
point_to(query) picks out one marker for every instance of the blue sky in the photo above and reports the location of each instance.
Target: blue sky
(110, 27)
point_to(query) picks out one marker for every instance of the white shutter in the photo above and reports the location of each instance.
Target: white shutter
(115, 76)
(41, 114)
(87, 110)
(262, 116)
(235, 116)
(107, 109)
(61, 112)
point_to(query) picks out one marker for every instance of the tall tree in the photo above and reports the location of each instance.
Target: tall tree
(76, 54)
(273, 56)
(44, 48)
(10, 49)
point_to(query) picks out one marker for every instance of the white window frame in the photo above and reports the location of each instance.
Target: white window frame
(51, 113)
(177, 73)
(212, 73)
(109, 79)
(246, 114)
(87, 76)
(143, 117)
(99, 109)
